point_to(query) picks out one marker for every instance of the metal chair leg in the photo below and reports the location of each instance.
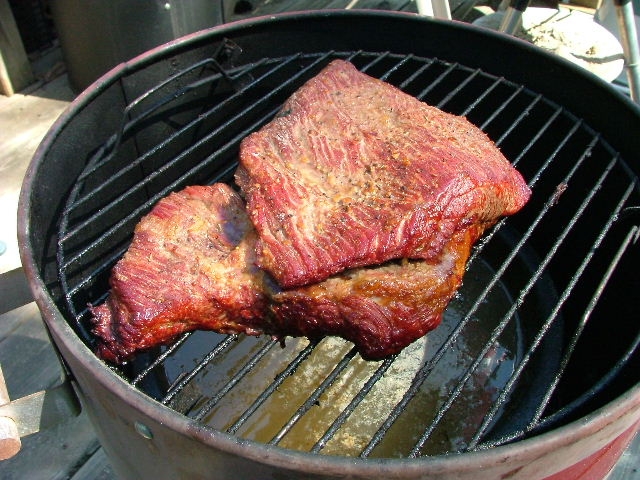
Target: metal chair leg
(629, 41)
(513, 16)
(434, 8)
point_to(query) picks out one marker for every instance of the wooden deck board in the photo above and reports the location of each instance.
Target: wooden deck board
(97, 467)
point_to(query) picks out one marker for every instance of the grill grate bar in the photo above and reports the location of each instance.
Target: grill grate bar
(419, 71)
(403, 61)
(416, 73)
(104, 266)
(355, 401)
(585, 318)
(160, 359)
(500, 109)
(458, 88)
(314, 398)
(374, 61)
(524, 113)
(437, 81)
(219, 348)
(502, 398)
(233, 381)
(545, 128)
(430, 365)
(551, 158)
(482, 96)
(85, 282)
(281, 377)
(632, 237)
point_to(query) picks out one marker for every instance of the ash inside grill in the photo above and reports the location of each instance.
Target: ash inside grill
(525, 346)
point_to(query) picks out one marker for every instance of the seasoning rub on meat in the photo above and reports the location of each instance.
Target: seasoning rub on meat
(362, 204)
(191, 265)
(355, 172)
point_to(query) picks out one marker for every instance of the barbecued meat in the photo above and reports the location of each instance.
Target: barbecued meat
(381, 309)
(191, 265)
(355, 172)
(362, 206)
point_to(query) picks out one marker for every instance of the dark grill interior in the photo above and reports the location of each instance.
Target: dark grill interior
(539, 334)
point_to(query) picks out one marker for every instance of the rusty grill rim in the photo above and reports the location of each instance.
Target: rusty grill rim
(62, 330)
(600, 420)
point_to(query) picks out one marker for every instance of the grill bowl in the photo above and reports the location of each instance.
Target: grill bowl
(566, 143)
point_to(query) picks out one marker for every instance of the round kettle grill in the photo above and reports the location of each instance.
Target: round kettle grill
(533, 372)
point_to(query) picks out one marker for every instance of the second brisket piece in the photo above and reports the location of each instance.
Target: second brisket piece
(190, 266)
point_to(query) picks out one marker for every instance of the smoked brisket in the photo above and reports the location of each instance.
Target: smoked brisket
(355, 172)
(357, 210)
(191, 265)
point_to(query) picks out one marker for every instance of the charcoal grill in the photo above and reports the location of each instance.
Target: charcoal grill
(534, 369)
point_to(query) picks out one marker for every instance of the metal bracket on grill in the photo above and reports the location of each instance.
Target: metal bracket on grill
(226, 52)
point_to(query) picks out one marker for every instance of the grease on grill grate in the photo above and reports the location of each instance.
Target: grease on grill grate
(325, 398)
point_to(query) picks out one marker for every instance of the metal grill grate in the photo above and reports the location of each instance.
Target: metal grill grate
(532, 307)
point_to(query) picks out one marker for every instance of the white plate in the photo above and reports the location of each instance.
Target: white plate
(570, 34)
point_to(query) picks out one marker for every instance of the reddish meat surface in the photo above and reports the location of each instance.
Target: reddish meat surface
(191, 266)
(362, 205)
(354, 172)
(381, 309)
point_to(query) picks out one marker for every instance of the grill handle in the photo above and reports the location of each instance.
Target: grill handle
(33, 413)
(40, 410)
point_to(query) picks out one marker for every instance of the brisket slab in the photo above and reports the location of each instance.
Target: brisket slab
(362, 205)
(354, 172)
(191, 265)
